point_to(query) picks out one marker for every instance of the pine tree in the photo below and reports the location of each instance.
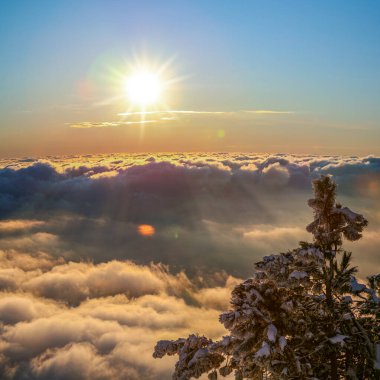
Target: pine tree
(303, 315)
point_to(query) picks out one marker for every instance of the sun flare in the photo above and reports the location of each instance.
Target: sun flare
(143, 88)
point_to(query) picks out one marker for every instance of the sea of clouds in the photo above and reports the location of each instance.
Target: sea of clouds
(85, 295)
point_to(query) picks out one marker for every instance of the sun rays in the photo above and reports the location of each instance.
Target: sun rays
(143, 88)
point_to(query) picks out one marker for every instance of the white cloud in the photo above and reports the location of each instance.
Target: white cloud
(105, 336)
(74, 304)
(143, 117)
(106, 124)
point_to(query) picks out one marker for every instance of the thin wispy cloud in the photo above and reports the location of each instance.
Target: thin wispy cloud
(269, 112)
(105, 124)
(168, 115)
(171, 112)
(191, 112)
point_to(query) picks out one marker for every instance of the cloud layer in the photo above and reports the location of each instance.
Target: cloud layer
(206, 210)
(85, 292)
(66, 320)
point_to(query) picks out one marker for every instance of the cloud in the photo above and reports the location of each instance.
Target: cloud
(106, 124)
(75, 282)
(276, 175)
(85, 295)
(108, 334)
(191, 112)
(8, 226)
(269, 112)
(90, 207)
(173, 112)
(18, 308)
(144, 117)
(75, 361)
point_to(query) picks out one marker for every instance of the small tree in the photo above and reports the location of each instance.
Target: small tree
(303, 315)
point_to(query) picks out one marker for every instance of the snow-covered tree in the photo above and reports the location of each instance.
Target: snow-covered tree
(303, 314)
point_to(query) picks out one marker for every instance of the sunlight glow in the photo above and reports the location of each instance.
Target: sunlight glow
(143, 88)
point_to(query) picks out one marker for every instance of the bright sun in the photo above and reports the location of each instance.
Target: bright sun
(143, 88)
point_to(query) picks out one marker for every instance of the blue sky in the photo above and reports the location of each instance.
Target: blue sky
(318, 59)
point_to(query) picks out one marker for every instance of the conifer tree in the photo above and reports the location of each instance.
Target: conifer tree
(303, 314)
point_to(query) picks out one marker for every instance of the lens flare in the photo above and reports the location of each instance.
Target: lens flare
(146, 230)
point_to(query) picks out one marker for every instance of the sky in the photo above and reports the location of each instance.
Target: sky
(152, 151)
(312, 66)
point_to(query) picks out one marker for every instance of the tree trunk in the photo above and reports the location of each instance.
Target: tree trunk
(330, 328)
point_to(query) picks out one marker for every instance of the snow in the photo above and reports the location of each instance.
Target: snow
(269, 258)
(282, 342)
(287, 306)
(312, 252)
(347, 299)
(274, 298)
(349, 214)
(272, 333)
(338, 339)
(226, 341)
(298, 275)
(355, 286)
(285, 371)
(373, 295)
(256, 294)
(201, 353)
(264, 351)
(167, 347)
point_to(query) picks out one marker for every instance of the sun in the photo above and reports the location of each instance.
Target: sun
(143, 88)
